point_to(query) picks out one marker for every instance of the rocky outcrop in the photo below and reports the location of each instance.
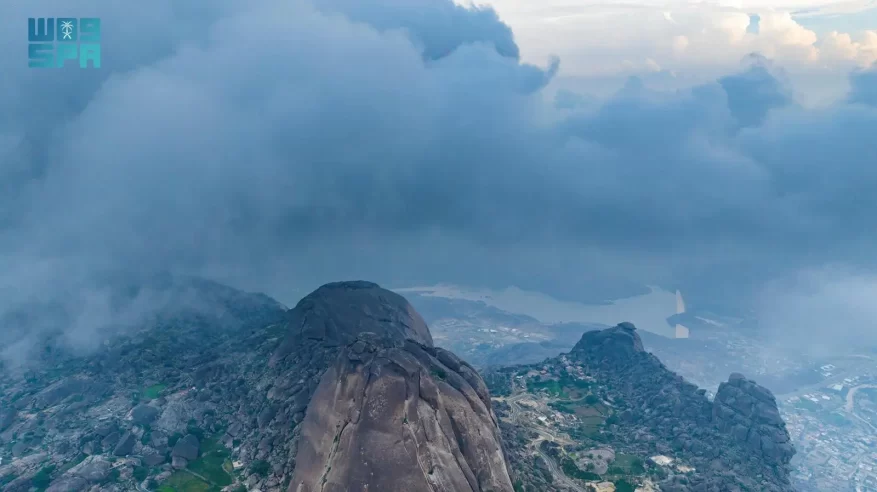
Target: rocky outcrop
(336, 313)
(749, 413)
(144, 414)
(7, 417)
(738, 442)
(347, 392)
(68, 484)
(390, 411)
(125, 445)
(187, 448)
(612, 345)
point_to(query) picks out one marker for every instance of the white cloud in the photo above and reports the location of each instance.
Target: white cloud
(696, 41)
(838, 45)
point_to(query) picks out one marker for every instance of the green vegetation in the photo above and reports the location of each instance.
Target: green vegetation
(440, 373)
(212, 464)
(153, 391)
(498, 383)
(562, 407)
(70, 464)
(173, 438)
(624, 486)
(571, 391)
(629, 464)
(147, 434)
(140, 473)
(570, 469)
(6, 479)
(183, 481)
(43, 477)
(551, 386)
(588, 430)
(195, 431)
(260, 467)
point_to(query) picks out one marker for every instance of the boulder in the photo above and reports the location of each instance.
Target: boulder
(144, 414)
(125, 445)
(187, 447)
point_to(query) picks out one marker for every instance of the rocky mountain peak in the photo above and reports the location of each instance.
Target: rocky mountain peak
(748, 411)
(621, 341)
(382, 408)
(741, 426)
(339, 313)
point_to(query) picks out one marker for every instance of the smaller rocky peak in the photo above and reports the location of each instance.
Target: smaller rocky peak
(619, 341)
(749, 399)
(748, 411)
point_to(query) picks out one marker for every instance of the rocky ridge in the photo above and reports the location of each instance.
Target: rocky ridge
(665, 414)
(343, 391)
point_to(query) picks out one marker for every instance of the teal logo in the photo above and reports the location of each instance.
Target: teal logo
(53, 42)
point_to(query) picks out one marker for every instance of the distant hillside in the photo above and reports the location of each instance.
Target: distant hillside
(611, 415)
(221, 390)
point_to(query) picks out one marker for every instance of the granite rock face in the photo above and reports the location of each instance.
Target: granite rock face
(749, 413)
(337, 313)
(390, 412)
(187, 448)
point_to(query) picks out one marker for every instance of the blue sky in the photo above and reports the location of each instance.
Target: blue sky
(842, 21)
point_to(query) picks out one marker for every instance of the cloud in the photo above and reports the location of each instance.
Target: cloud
(280, 145)
(843, 46)
(602, 43)
(864, 87)
(820, 311)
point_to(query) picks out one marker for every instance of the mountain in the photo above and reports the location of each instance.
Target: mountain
(230, 389)
(611, 412)
(225, 390)
(390, 411)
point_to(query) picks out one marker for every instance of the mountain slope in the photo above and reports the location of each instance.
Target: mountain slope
(391, 412)
(610, 398)
(346, 391)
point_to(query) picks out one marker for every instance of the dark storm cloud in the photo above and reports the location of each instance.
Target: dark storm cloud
(278, 144)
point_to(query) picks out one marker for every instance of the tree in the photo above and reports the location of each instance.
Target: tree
(260, 467)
